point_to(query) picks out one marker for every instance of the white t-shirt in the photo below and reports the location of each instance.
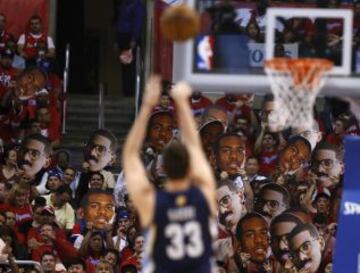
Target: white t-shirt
(50, 42)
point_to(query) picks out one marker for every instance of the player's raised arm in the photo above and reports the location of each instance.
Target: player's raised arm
(137, 183)
(200, 170)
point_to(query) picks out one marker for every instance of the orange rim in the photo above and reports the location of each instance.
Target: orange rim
(304, 71)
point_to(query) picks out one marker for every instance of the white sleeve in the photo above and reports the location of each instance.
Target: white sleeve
(41, 188)
(50, 42)
(21, 40)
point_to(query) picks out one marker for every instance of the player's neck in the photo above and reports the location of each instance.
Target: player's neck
(177, 185)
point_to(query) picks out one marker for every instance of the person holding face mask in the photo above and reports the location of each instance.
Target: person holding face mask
(35, 152)
(230, 152)
(306, 246)
(273, 200)
(252, 253)
(280, 228)
(327, 165)
(99, 153)
(231, 208)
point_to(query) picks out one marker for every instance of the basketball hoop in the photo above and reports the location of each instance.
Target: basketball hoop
(295, 84)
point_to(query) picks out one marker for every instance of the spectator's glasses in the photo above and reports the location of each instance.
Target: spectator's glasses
(326, 163)
(305, 249)
(225, 201)
(273, 204)
(99, 149)
(34, 154)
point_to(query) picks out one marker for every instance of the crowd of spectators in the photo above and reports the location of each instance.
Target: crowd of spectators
(271, 187)
(321, 38)
(30, 89)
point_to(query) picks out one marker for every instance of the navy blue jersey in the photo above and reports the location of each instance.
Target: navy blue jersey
(180, 239)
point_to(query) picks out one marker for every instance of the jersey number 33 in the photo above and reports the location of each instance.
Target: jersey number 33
(185, 240)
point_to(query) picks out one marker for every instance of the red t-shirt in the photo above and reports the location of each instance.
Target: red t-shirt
(22, 214)
(334, 139)
(6, 76)
(199, 106)
(4, 38)
(267, 162)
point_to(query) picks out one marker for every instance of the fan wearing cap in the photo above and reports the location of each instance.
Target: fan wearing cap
(51, 243)
(51, 184)
(210, 131)
(124, 222)
(64, 213)
(44, 215)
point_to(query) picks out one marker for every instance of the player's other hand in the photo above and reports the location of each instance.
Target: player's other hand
(181, 91)
(152, 91)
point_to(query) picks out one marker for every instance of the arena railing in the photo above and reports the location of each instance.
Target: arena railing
(65, 87)
(37, 265)
(101, 116)
(138, 80)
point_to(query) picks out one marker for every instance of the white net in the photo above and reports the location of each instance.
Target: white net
(295, 84)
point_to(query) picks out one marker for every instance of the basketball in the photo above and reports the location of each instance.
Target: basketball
(179, 23)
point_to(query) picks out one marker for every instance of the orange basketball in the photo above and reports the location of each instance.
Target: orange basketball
(179, 23)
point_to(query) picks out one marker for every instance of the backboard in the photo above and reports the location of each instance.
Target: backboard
(227, 58)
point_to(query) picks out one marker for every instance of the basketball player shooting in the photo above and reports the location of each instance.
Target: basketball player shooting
(176, 220)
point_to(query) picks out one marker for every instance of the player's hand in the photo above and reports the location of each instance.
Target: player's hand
(181, 91)
(152, 91)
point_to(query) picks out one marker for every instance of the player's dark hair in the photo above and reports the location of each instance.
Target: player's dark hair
(276, 187)
(176, 160)
(239, 227)
(40, 138)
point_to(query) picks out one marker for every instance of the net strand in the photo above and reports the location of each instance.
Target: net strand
(295, 87)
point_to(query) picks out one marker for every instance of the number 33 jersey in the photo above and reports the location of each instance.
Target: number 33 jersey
(180, 239)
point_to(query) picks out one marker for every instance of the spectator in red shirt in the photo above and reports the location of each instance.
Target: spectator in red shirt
(50, 125)
(135, 258)
(4, 35)
(29, 41)
(266, 150)
(199, 103)
(19, 204)
(7, 72)
(51, 243)
(340, 125)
